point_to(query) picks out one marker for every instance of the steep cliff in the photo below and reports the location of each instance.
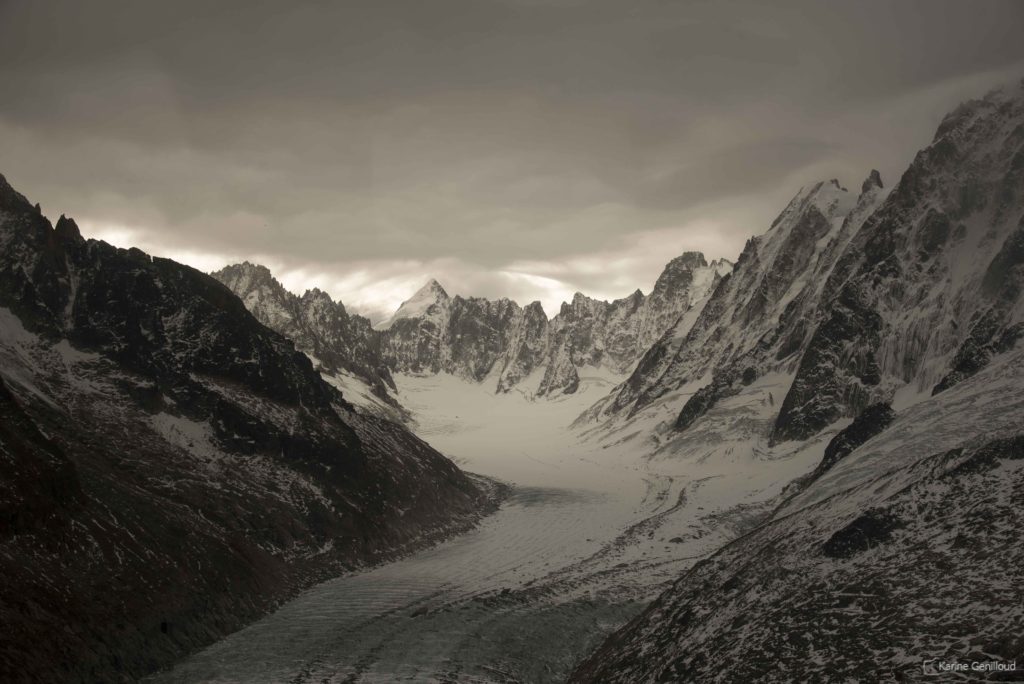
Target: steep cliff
(172, 466)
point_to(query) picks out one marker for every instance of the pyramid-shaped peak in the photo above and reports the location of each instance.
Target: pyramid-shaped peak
(420, 304)
(432, 288)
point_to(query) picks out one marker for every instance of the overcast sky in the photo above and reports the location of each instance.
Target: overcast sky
(518, 148)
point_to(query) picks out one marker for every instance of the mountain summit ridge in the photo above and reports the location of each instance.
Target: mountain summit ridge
(171, 467)
(477, 338)
(901, 350)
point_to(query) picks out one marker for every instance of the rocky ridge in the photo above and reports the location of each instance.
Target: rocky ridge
(480, 339)
(342, 346)
(756, 320)
(495, 341)
(929, 290)
(172, 467)
(898, 547)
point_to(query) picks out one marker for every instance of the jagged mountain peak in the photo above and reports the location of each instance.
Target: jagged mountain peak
(315, 297)
(678, 272)
(420, 304)
(580, 299)
(694, 258)
(829, 198)
(535, 307)
(252, 275)
(11, 199)
(255, 282)
(341, 344)
(874, 180)
(906, 310)
(315, 293)
(431, 291)
(959, 118)
(686, 261)
(67, 228)
(249, 267)
(500, 302)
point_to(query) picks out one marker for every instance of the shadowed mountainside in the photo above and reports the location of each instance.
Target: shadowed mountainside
(173, 468)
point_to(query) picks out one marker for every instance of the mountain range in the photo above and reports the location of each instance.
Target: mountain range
(180, 451)
(875, 331)
(497, 342)
(892, 321)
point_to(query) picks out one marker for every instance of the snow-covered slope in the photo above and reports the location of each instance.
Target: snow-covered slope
(428, 301)
(755, 321)
(930, 288)
(170, 466)
(900, 546)
(905, 551)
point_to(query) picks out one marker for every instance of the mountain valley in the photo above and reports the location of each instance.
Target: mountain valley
(801, 465)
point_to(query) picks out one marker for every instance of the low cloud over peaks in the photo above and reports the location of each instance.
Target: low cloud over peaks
(507, 149)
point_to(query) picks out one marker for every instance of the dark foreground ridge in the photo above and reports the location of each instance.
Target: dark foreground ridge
(169, 467)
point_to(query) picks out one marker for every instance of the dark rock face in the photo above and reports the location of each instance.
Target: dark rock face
(812, 401)
(38, 484)
(873, 528)
(172, 467)
(697, 405)
(318, 325)
(995, 329)
(929, 290)
(478, 334)
(528, 347)
(874, 180)
(757, 319)
(868, 558)
(872, 421)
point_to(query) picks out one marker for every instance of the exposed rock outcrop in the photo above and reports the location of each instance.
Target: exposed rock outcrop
(172, 467)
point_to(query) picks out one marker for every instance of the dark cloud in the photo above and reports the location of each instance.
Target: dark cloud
(353, 140)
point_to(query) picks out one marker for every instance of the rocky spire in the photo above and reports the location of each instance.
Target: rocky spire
(67, 228)
(874, 180)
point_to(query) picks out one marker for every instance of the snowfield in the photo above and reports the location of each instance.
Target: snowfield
(592, 532)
